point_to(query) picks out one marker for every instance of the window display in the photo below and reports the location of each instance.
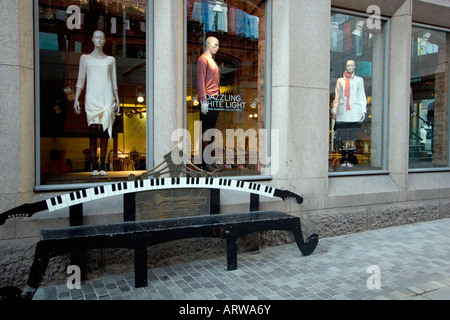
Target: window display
(356, 94)
(226, 85)
(428, 140)
(92, 81)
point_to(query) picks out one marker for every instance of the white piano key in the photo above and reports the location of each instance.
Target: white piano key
(68, 199)
(55, 203)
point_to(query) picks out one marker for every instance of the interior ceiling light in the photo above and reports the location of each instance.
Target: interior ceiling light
(218, 6)
(140, 94)
(358, 29)
(425, 39)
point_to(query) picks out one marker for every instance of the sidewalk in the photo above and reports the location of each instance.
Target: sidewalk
(409, 262)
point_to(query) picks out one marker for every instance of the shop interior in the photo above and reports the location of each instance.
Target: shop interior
(352, 40)
(63, 131)
(239, 26)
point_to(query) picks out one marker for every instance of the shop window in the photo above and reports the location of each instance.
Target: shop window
(428, 139)
(100, 142)
(226, 55)
(357, 94)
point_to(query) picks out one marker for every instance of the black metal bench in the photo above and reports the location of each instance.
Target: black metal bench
(139, 235)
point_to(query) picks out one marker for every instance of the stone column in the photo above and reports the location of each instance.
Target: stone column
(168, 74)
(17, 145)
(300, 85)
(399, 94)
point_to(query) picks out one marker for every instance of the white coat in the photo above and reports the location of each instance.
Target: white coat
(358, 100)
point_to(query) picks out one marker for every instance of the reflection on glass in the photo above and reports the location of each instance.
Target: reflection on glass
(225, 85)
(356, 95)
(428, 139)
(66, 29)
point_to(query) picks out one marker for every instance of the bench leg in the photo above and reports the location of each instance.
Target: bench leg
(38, 268)
(231, 253)
(140, 268)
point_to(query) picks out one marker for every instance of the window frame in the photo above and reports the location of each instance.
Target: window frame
(267, 87)
(437, 169)
(149, 93)
(385, 99)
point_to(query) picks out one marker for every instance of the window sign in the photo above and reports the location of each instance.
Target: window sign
(92, 88)
(428, 139)
(356, 94)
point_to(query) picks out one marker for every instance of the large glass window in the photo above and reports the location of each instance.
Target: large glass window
(357, 82)
(97, 72)
(226, 83)
(428, 142)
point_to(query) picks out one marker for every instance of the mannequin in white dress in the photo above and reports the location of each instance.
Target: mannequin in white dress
(98, 71)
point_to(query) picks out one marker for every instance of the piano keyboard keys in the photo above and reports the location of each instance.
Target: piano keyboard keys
(109, 190)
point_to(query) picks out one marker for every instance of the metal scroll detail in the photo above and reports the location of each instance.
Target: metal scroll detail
(168, 166)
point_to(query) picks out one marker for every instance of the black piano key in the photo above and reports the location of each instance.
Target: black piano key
(72, 197)
(113, 187)
(84, 193)
(53, 201)
(59, 199)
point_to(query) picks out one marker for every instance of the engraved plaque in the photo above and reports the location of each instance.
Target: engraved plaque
(175, 203)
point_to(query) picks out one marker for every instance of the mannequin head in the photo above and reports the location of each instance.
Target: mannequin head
(350, 67)
(212, 45)
(98, 38)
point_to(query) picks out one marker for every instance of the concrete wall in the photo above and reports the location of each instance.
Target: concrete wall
(300, 97)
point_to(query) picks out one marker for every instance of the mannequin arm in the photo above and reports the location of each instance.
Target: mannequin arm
(80, 83)
(76, 105)
(204, 107)
(363, 117)
(116, 97)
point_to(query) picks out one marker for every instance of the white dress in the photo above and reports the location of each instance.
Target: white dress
(100, 77)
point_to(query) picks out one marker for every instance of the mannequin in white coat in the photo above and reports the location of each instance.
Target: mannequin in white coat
(349, 110)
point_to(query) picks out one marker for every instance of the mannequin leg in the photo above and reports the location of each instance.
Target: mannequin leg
(208, 122)
(103, 150)
(93, 135)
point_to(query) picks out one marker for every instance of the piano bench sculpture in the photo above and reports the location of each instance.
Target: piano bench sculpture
(139, 235)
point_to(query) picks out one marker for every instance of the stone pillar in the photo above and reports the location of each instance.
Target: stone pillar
(300, 85)
(440, 123)
(168, 74)
(399, 95)
(17, 145)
